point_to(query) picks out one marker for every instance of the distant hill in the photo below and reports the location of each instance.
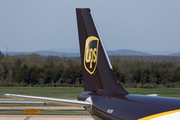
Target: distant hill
(46, 53)
(52, 53)
(14, 53)
(70, 50)
(126, 52)
(69, 54)
(75, 54)
(174, 54)
(159, 52)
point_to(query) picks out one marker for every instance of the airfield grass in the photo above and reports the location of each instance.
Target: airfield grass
(164, 92)
(49, 112)
(54, 92)
(71, 93)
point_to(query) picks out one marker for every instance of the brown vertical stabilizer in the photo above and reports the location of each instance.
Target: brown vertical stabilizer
(97, 69)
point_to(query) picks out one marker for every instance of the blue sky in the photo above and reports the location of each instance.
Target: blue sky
(32, 25)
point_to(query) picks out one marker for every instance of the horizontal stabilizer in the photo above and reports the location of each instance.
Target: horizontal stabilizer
(51, 100)
(153, 95)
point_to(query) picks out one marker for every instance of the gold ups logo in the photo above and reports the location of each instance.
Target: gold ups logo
(91, 54)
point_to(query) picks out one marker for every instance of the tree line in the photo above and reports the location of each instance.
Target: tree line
(131, 71)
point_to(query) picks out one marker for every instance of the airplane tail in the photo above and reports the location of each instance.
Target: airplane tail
(97, 70)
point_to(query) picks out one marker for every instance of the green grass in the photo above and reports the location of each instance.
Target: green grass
(10, 112)
(5, 105)
(54, 92)
(71, 93)
(49, 112)
(165, 92)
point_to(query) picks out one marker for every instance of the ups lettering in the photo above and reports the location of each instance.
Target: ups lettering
(91, 54)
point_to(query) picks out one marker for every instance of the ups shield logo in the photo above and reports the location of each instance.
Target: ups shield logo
(91, 54)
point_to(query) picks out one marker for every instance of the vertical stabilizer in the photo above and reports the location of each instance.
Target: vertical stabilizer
(96, 67)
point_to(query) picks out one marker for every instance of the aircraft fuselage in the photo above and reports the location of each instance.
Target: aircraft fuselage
(110, 105)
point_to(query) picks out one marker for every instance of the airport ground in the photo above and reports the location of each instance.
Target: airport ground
(56, 109)
(45, 110)
(58, 112)
(46, 117)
